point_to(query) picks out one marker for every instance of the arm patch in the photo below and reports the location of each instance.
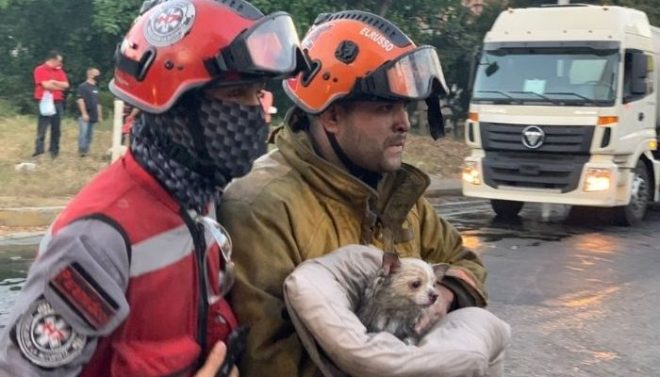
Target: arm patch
(84, 295)
(45, 338)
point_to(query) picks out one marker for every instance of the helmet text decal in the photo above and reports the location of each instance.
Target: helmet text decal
(377, 37)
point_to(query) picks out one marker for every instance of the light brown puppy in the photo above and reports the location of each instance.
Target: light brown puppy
(399, 297)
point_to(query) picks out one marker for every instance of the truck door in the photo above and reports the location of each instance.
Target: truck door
(638, 111)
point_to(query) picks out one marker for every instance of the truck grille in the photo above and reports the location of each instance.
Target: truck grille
(556, 164)
(558, 139)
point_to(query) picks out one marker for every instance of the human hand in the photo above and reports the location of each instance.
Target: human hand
(214, 361)
(85, 117)
(436, 311)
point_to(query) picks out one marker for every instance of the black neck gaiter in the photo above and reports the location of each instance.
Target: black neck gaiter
(232, 137)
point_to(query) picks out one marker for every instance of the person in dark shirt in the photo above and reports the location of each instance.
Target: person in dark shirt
(87, 98)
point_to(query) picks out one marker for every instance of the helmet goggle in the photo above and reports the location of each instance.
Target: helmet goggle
(270, 47)
(411, 76)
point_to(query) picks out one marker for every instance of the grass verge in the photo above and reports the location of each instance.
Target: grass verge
(54, 181)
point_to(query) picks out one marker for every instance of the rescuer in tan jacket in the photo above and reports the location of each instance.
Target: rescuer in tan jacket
(337, 178)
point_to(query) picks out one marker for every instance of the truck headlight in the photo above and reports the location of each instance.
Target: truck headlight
(597, 179)
(471, 173)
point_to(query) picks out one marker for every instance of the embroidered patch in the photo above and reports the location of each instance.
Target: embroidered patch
(46, 339)
(170, 23)
(79, 290)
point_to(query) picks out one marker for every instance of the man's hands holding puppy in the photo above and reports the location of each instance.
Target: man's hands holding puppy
(436, 311)
(214, 361)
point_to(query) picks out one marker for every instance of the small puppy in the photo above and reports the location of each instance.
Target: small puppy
(400, 296)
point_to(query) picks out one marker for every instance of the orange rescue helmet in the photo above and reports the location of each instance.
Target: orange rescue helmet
(356, 54)
(178, 45)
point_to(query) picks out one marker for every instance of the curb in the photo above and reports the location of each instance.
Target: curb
(443, 187)
(22, 239)
(28, 216)
(434, 193)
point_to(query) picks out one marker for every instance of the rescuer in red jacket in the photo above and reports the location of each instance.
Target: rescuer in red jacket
(130, 278)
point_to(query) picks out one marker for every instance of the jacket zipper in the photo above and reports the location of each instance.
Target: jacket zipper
(197, 233)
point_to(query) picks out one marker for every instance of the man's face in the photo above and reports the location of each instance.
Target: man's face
(94, 74)
(56, 62)
(373, 134)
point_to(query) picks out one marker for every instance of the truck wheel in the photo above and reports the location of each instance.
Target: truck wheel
(634, 212)
(506, 208)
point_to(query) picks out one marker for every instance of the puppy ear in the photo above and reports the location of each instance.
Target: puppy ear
(440, 269)
(391, 263)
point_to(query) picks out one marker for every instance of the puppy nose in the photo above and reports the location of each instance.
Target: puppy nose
(432, 297)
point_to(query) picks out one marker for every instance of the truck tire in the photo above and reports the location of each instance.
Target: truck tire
(506, 208)
(634, 212)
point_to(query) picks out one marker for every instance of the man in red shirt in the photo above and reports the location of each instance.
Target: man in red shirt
(50, 77)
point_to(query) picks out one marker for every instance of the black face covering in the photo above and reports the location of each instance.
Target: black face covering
(195, 154)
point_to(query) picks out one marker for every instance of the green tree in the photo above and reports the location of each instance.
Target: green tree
(84, 31)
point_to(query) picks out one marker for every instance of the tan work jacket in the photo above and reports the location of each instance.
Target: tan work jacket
(293, 206)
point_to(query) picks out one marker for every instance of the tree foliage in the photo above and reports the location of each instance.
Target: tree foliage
(86, 32)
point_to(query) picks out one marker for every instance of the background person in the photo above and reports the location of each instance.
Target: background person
(50, 77)
(337, 178)
(131, 276)
(87, 99)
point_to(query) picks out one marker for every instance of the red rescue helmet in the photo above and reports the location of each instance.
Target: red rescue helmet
(178, 45)
(356, 54)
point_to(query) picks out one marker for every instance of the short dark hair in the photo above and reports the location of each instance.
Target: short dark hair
(53, 54)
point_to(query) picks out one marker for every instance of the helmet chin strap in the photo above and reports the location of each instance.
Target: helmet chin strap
(369, 177)
(436, 121)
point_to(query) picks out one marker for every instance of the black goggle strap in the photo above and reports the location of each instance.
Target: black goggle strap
(435, 119)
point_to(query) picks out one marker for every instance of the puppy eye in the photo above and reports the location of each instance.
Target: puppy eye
(416, 284)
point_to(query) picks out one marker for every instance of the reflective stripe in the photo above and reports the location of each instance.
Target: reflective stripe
(162, 250)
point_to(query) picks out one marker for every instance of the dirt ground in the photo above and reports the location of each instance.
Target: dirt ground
(440, 157)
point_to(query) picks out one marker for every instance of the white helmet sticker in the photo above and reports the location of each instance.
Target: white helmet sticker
(46, 339)
(169, 23)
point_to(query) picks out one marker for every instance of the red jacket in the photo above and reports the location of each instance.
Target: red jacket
(162, 333)
(44, 72)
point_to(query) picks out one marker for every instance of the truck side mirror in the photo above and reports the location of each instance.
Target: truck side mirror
(492, 68)
(639, 73)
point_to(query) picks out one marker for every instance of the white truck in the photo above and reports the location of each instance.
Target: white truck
(564, 109)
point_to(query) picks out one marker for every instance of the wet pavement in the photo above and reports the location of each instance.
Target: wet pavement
(14, 263)
(579, 293)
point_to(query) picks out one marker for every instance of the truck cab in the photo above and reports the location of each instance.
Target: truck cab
(564, 110)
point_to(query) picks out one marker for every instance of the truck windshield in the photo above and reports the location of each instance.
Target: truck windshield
(537, 76)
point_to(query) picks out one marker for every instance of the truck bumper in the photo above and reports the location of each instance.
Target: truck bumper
(617, 194)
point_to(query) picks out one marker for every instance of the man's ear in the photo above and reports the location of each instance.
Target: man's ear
(330, 118)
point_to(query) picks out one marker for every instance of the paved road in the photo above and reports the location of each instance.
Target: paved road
(581, 295)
